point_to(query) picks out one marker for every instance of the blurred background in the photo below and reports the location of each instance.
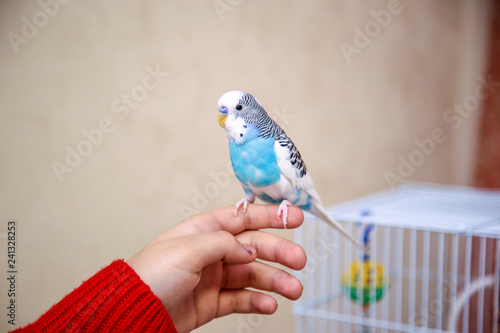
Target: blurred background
(109, 132)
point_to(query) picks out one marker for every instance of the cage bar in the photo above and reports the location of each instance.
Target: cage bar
(438, 250)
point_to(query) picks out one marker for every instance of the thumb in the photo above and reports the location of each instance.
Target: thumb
(207, 248)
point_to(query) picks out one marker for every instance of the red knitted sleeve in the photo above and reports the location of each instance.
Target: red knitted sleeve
(113, 300)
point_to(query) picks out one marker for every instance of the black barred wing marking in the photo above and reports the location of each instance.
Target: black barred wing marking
(249, 100)
(295, 158)
(255, 114)
(297, 171)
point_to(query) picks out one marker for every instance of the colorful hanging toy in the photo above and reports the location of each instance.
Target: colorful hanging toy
(365, 281)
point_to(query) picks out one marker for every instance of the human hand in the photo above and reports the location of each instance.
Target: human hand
(200, 268)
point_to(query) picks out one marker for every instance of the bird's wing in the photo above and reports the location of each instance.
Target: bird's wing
(292, 166)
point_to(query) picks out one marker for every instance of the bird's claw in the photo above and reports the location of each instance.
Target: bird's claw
(283, 211)
(243, 202)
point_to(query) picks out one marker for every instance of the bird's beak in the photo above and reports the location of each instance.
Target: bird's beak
(222, 115)
(222, 119)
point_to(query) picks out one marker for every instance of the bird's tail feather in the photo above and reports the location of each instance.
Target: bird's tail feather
(319, 211)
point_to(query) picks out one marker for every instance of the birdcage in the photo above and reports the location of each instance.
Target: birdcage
(432, 263)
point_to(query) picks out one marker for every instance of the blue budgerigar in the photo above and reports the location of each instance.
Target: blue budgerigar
(266, 162)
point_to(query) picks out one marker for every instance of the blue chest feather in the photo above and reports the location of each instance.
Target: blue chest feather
(254, 162)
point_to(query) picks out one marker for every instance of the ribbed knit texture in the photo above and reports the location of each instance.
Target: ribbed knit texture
(113, 300)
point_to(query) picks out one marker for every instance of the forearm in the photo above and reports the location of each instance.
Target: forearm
(113, 300)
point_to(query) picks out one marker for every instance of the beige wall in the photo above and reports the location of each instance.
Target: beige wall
(352, 116)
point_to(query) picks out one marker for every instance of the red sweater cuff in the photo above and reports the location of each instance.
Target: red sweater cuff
(113, 300)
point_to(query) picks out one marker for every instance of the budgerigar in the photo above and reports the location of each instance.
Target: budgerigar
(265, 160)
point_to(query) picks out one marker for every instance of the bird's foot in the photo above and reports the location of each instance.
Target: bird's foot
(243, 202)
(283, 211)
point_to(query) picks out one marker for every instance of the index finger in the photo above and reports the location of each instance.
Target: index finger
(256, 217)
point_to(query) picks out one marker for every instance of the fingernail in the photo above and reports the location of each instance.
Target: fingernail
(248, 248)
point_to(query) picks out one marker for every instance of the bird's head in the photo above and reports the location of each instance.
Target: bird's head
(236, 104)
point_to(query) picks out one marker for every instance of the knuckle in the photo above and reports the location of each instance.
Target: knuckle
(226, 236)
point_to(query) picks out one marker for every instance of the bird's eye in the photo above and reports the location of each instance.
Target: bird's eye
(239, 107)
